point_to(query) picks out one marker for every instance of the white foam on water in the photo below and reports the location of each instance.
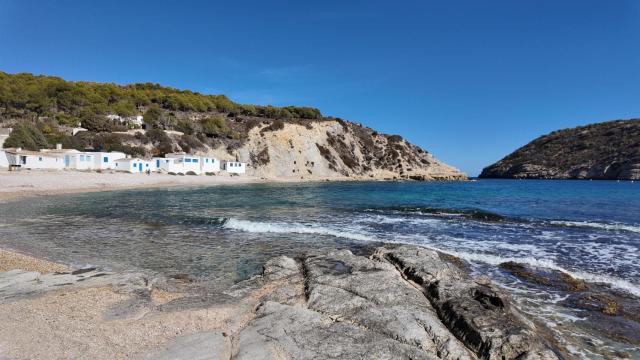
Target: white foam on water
(597, 225)
(295, 228)
(490, 259)
(383, 219)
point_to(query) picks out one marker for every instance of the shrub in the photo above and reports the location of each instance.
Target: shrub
(215, 126)
(27, 136)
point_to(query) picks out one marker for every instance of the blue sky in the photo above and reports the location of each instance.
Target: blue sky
(470, 81)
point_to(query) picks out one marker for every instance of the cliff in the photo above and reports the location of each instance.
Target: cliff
(602, 151)
(151, 120)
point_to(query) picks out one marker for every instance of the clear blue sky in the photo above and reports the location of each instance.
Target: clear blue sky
(469, 81)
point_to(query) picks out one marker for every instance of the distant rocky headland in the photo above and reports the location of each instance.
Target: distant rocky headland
(602, 151)
(146, 120)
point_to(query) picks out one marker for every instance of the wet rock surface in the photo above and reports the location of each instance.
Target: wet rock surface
(610, 312)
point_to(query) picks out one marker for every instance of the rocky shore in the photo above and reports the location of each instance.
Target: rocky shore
(402, 302)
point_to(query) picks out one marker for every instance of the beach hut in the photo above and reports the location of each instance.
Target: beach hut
(184, 163)
(235, 167)
(106, 160)
(4, 162)
(209, 164)
(132, 165)
(77, 160)
(39, 160)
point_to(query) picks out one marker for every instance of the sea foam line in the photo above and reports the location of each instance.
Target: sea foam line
(596, 225)
(296, 228)
(549, 264)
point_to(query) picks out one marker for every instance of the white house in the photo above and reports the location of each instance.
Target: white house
(209, 165)
(77, 160)
(4, 162)
(106, 160)
(132, 165)
(234, 167)
(136, 120)
(76, 130)
(183, 163)
(34, 159)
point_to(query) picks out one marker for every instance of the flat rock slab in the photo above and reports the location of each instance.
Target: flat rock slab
(402, 303)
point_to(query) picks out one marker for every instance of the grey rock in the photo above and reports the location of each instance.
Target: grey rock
(402, 303)
(199, 346)
(476, 312)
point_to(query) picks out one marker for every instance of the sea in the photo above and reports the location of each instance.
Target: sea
(224, 234)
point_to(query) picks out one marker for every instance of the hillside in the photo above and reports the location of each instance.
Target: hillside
(608, 150)
(152, 120)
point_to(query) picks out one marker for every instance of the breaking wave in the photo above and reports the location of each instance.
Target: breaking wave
(472, 214)
(496, 260)
(295, 228)
(597, 225)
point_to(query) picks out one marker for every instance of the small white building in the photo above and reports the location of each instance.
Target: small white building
(106, 160)
(76, 130)
(77, 160)
(234, 167)
(4, 162)
(132, 165)
(209, 165)
(36, 160)
(184, 163)
(136, 120)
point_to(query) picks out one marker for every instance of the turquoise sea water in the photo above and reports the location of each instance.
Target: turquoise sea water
(590, 229)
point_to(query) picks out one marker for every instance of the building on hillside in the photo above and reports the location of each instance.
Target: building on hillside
(136, 120)
(234, 167)
(76, 130)
(132, 165)
(37, 160)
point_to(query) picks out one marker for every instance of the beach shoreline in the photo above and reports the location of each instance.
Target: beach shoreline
(34, 183)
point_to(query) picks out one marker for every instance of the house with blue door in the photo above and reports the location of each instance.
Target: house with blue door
(184, 163)
(132, 165)
(106, 160)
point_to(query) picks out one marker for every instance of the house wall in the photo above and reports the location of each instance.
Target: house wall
(39, 162)
(185, 163)
(110, 157)
(209, 165)
(4, 161)
(235, 167)
(132, 166)
(81, 161)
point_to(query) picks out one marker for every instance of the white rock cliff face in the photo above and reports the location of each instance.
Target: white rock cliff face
(335, 149)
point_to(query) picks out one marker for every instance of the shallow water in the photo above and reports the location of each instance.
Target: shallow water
(590, 229)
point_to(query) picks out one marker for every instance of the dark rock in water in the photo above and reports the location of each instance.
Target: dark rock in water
(610, 312)
(544, 277)
(182, 277)
(404, 302)
(82, 271)
(608, 150)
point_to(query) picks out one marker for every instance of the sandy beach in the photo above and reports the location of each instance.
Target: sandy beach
(14, 185)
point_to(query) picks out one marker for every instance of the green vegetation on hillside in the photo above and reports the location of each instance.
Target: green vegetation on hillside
(23, 95)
